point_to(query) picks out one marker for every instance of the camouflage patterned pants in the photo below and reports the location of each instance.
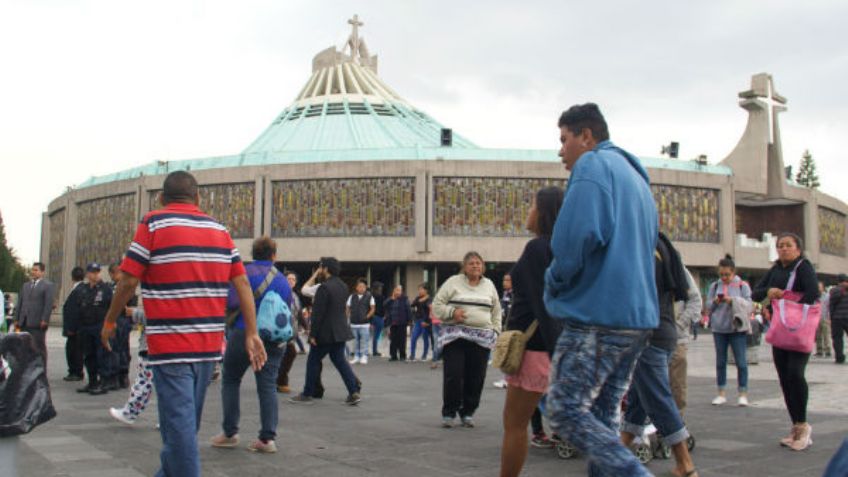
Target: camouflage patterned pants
(590, 374)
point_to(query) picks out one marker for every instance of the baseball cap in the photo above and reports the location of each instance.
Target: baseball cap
(93, 267)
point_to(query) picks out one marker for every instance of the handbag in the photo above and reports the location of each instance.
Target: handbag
(509, 348)
(793, 325)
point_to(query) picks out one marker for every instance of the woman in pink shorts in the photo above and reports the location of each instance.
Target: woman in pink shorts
(526, 387)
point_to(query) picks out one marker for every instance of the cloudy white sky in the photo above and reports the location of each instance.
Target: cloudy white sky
(92, 87)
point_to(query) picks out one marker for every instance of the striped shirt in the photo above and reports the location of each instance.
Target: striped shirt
(185, 261)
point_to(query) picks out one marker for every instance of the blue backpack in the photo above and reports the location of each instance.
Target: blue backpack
(273, 316)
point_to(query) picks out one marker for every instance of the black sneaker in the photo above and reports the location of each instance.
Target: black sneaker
(72, 377)
(97, 390)
(85, 388)
(301, 399)
(377, 354)
(353, 399)
(111, 384)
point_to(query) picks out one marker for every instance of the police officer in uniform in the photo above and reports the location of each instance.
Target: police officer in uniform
(95, 298)
(122, 333)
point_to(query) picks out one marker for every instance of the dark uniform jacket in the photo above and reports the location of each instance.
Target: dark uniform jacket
(329, 323)
(94, 303)
(71, 310)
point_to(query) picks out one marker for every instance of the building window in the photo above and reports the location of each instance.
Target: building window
(831, 232)
(344, 207)
(688, 214)
(487, 206)
(56, 247)
(230, 204)
(105, 228)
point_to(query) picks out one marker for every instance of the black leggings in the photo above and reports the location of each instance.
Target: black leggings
(791, 366)
(536, 422)
(464, 375)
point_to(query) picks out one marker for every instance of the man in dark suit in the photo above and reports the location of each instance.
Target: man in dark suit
(329, 332)
(35, 303)
(70, 326)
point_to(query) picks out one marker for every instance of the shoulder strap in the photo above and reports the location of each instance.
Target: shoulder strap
(791, 282)
(531, 329)
(272, 273)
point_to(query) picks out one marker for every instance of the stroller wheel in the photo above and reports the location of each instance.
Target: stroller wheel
(566, 450)
(643, 452)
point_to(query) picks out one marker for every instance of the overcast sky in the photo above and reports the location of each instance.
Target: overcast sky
(93, 87)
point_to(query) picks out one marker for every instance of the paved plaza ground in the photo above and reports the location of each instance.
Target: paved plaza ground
(395, 430)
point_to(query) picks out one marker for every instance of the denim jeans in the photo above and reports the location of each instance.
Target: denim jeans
(650, 397)
(236, 363)
(376, 332)
(590, 372)
(337, 356)
(839, 462)
(181, 389)
(738, 343)
(361, 340)
(419, 330)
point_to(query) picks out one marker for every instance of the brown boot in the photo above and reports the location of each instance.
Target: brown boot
(804, 438)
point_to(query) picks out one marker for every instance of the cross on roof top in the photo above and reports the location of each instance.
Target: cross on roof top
(762, 89)
(353, 41)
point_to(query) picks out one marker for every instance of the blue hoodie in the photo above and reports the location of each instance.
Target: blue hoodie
(603, 244)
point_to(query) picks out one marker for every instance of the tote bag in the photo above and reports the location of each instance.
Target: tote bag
(793, 324)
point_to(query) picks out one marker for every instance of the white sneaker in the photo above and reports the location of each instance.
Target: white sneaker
(743, 401)
(119, 415)
(354, 361)
(719, 400)
(363, 360)
(501, 384)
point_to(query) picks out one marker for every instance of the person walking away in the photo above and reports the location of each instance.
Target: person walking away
(823, 333)
(290, 352)
(70, 327)
(604, 239)
(175, 248)
(328, 334)
(378, 320)
(95, 299)
(142, 388)
(838, 312)
(723, 298)
(791, 272)
(687, 314)
(360, 310)
(649, 399)
(422, 325)
(398, 316)
(236, 359)
(506, 304)
(122, 333)
(35, 303)
(526, 387)
(470, 310)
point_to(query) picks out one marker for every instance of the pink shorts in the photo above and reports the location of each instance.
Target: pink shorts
(534, 373)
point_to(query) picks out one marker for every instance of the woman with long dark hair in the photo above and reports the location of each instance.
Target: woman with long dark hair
(526, 387)
(791, 365)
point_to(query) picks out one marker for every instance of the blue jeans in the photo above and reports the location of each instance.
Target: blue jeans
(650, 397)
(590, 372)
(377, 324)
(738, 343)
(419, 330)
(839, 462)
(361, 340)
(236, 363)
(337, 356)
(181, 389)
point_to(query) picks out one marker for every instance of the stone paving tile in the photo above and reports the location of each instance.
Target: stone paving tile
(395, 431)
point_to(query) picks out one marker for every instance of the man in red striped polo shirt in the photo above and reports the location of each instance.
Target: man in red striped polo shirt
(185, 261)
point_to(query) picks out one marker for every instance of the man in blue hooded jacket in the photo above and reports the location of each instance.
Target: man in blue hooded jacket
(601, 284)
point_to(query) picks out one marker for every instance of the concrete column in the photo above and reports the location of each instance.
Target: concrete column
(421, 207)
(258, 199)
(268, 193)
(727, 219)
(415, 275)
(811, 229)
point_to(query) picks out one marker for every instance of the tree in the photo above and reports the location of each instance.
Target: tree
(12, 273)
(807, 176)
